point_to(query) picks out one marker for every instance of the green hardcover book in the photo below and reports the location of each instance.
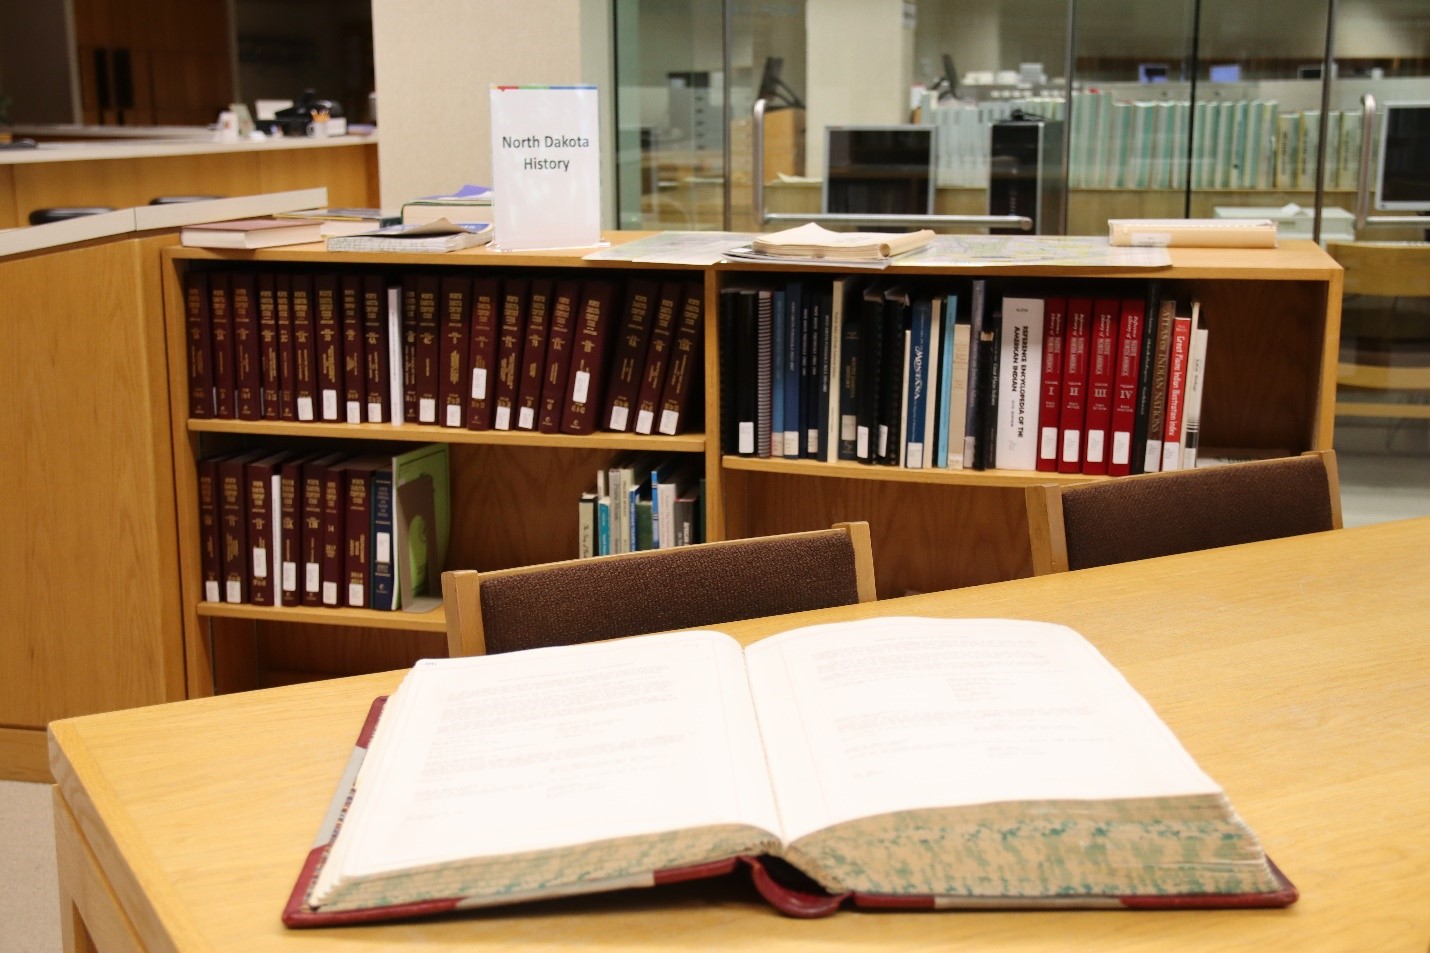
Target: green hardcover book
(1201, 135)
(1308, 143)
(1286, 137)
(1266, 163)
(1348, 171)
(422, 493)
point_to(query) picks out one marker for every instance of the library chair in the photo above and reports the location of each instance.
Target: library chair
(1385, 330)
(607, 597)
(45, 216)
(1158, 514)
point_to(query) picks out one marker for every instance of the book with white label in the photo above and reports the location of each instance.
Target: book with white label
(980, 763)
(1020, 360)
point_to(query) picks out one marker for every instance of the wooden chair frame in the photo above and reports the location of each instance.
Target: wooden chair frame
(462, 596)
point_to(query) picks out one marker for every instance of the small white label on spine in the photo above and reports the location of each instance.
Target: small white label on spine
(526, 418)
(383, 547)
(791, 443)
(644, 420)
(330, 593)
(312, 578)
(1072, 440)
(1095, 439)
(861, 443)
(427, 411)
(883, 439)
(454, 415)
(914, 458)
(811, 441)
(260, 562)
(583, 383)
(355, 595)
(211, 590)
(233, 590)
(848, 427)
(290, 577)
(503, 419)
(619, 415)
(669, 420)
(330, 404)
(1121, 447)
(1048, 449)
(354, 411)
(305, 408)
(479, 383)
(374, 413)
(747, 436)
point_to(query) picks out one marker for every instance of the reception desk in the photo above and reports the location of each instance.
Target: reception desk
(127, 172)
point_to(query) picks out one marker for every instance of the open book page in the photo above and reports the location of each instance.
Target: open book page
(813, 240)
(892, 714)
(503, 756)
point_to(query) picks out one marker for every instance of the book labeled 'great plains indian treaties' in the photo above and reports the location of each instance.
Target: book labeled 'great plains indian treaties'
(897, 762)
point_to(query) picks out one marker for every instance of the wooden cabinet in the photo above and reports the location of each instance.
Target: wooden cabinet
(1273, 318)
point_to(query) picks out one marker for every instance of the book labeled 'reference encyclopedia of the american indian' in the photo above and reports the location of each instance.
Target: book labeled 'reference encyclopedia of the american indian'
(897, 762)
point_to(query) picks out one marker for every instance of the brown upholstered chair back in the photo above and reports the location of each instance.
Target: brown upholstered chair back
(586, 600)
(1158, 514)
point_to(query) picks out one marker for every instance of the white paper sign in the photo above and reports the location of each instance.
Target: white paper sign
(546, 167)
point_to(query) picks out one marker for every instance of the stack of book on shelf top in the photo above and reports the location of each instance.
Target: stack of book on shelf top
(251, 233)
(815, 243)
(439, 235)
(468, 203)
(491, 352)
(979, 763)
(343, 221)
(972, 374)
(311, 528)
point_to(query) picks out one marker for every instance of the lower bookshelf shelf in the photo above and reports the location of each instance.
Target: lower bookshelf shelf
(434, 620)
(428, 433)
(884, 474)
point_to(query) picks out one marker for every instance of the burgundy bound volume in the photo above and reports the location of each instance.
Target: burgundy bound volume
(629, 358)
(198, 326)
(330, 573)
(287, 355)
(328, 345)
(210, 537)
(289, 558)
(268, 346)
(558, 356)
(221, 323)
(310, 568)
(452, 359)
(305, 346)
(1050, 408)
(590, 343)
(509, 348)
(482, 353)
(375, 343)
(357, 536)
(233, 525)
(262, 514)
(1128, 360)
(1070, 423)
(354, 363)
(247, 346)
(1101, 369)
(654, 374)
(409, 349)
(427, 351)
(533, 353)
(685, 355)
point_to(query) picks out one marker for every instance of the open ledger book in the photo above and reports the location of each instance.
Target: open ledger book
(901, 762)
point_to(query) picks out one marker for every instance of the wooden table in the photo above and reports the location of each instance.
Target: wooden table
(1297, 672)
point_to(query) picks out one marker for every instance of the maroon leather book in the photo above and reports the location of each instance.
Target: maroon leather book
(328, 346)
(334, 534)
(453, 347)
(590, 343)
(289, 555)
(287, 356)
(198, 331)
(354, 363)
(1126, 374)
(533, 353)
(513, 322)
(558, 356)
(268, 347)
(1101, 371)
(233, 525)
(409, 349)
(657, 353)
(314, 477)
(305, 347)
(376, 377)
(262, 477)
(247, 349)
(482, 352)
(357, 530)
(1074, 414)
(628, 359)
(1050, 405)
(683, 377)
(427, 351)
(210, 537)
(221, 324)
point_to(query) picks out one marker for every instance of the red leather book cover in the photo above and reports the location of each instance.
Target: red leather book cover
(334, 534)
(409, 349)
(311, 547)
(198, 332)
(1131, 327)
(287, 354)
(328, 346)
(530, 372)
(1101, 371)
(657, 356)
(221, 336)
(357, 478)
(262, 518)
(628, 359)
(305, 346)
(482, 352)
(247, 346)
(428, 349)
(1050, 410)
(683, 375)
(233, 525)
(558, 356)
(269, 369)
(210, 536)
(1070, 424)
(376, 376)
(454, 319)
(509, 347)
(289, 558)
(354, 362)
(590, 344)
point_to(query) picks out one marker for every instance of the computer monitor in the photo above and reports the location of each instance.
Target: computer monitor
(1227, 73)
(1151, 72)
(1402, 175)
(879, 170)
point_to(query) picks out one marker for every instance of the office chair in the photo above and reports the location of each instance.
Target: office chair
(1158, 514)
(45, 216)
(607, 597)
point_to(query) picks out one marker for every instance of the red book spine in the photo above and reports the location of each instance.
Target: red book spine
(210, 536)
(354, 348)
(287, 356)
(558, 356)
(334, 532)
(509, 346)
(268, 347)
(290, 528)
(409, 349)
(1101, 370)
(684, 362)
(198, 326)
(328, 345)
(482, 353)
(533, 354)
(1051, 408)
(311, 550)
(221, 323)
(628, 361)
(261, 514)
(1124, 388)
(376, 379)
(357, 550)
(247, 349)
(1176, 392)
(590, 341)
(305, 348)
(657, 355)
(428, 350)
(452, 360)
(1070, 423)
(233, 528)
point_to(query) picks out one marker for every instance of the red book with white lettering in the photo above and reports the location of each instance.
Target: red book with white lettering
(530, 373)
(482, 353)
(453, 350)
(1131, 327)
(1176, 392)
(590, 343)
(564, 303)
(1101, 372)
(509, 348)
(1070, 424)
(1051, 408)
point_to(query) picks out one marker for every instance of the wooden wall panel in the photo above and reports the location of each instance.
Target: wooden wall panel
(345, 170)
(9, 212)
